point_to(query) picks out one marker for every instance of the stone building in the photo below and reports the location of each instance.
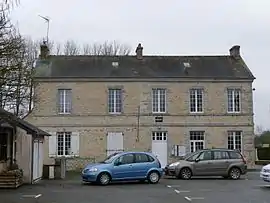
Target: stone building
(170, 105)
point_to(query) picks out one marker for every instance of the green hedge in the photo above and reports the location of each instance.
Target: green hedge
(263, 153)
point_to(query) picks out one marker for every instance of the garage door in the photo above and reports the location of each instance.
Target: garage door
(114, 142)
(159, 147)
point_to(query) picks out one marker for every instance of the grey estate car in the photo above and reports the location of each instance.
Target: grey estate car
(209, 162)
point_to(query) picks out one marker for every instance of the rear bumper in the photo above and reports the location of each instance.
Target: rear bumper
(244, 170)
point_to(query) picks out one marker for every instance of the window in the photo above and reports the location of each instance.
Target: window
(159, 100)
(234, 100)
(141, 158)
(235, 140)
(178, 150)
(196, 100)
(221, 155)
(235, 155)
(115, 100)
(207, 155)
(3, 146)
(126, 159)
(63, 143)
(159, 136)
(64, 101)
(196, 140)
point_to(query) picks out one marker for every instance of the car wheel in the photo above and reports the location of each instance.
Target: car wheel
(235, 173)
(153, 177)
(104, 179)
(185, 173)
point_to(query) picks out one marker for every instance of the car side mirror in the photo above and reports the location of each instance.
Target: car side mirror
(197, 160)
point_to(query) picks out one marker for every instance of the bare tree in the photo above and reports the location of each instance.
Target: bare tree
(106, 48)
(71, 48)
(258, 130)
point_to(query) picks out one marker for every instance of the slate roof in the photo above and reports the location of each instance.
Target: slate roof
(216, 67)
(11, 119)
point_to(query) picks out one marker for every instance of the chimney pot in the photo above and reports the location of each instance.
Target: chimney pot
(139, 51)
(44, 50)
(235, 51)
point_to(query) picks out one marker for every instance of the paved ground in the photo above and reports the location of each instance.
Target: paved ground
(211, 190)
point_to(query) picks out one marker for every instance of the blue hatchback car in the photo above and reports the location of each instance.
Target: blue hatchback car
(124, 166)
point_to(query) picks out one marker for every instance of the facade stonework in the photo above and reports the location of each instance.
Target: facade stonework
(91, 119)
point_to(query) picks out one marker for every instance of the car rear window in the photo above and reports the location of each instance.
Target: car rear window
(235, 155)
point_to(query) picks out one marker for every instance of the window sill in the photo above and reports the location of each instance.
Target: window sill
(115, 114)
(160, 113)
(64, 114)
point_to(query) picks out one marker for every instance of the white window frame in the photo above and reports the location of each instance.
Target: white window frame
(65, 134)
(194, 141)
(234, 134)
(233, 95)
(159, 95)
(159, 136)
(196, 93)
(63, 105)
(113, 100)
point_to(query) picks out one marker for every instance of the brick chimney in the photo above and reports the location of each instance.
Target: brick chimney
(139, 51)
(44, 51)
(235, 51)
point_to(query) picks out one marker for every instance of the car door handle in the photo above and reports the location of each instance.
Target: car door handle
(130, 165)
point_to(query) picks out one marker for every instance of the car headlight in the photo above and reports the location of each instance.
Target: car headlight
(93, 170)
(174, 164)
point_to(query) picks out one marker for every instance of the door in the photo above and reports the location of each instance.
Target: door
(40, 159)
(123, 167)
(142, 164)
(159, 147)
(204, 165)
(35, 160)
(114, 142)
(221, 162)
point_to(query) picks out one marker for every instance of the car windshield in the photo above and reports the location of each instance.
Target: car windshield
(109, 159)
(190, 155)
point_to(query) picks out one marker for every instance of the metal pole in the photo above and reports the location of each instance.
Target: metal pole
(48, 27)
(138, 124)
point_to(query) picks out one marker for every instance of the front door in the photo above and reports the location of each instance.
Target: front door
(123, 167)
(203, 164)
(159, 147)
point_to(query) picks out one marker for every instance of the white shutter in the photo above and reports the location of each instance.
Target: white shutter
(52, 144)
(75, 143)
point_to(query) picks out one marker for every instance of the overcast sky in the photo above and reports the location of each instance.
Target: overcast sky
(168, 27)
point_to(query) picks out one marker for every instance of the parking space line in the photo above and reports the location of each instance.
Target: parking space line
(205, 190)
(37, 196)
(169, 186)
(188, 199)
(197, 198)
(177, 191)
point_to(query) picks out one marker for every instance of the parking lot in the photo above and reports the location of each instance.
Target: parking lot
(211, 190)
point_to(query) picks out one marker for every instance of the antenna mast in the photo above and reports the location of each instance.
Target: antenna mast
(48, 26)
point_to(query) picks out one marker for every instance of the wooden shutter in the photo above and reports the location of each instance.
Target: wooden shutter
(75, 144)
(52, 145)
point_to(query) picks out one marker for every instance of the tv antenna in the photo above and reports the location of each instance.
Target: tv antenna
(48, 25)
